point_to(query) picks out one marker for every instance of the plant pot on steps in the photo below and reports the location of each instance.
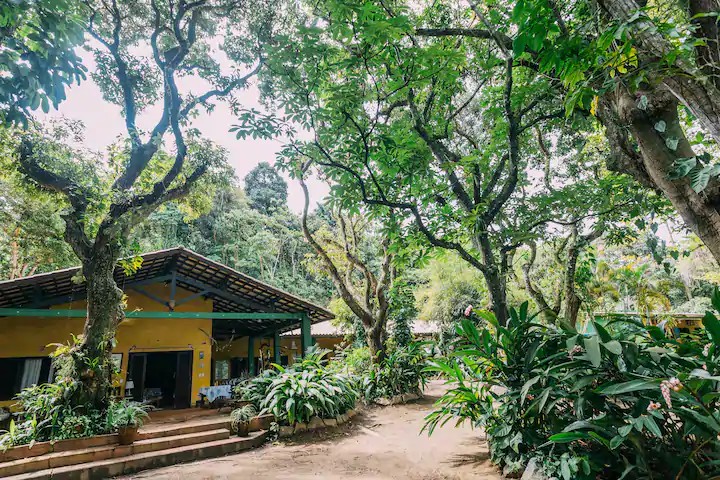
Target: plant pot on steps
(243, 429)
(127, 435)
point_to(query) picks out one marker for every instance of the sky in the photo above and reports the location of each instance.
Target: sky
(104, 124)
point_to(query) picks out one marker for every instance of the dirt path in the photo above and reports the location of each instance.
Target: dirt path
(381, 443)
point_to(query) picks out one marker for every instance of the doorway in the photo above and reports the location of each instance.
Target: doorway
(163, 379)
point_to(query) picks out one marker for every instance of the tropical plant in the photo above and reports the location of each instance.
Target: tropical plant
(298, 395)
(401, 372)
(47, 414)
(37, 54)
(255, 389)
(126, 414)
(355, 361)
(242, 415)
(619, 403)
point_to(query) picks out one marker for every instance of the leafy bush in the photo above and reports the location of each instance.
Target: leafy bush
(401, 372)
(126, 414)
(47, 414)
(299, 395)
(304, 390)
(621, 403)
(242, 415)
(352, 361)
(255, 389)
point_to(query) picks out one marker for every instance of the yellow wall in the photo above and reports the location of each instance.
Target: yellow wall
(30, 337)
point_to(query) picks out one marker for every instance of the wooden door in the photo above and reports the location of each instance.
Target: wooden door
(136, 369)
(183, 380)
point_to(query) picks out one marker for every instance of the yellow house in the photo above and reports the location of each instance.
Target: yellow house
(675, 323)
(190, 323)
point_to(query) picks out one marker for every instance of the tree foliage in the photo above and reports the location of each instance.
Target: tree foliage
(266, 188)
(37, 57)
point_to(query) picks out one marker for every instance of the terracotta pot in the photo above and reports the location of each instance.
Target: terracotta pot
(243, 429)
(127, 435)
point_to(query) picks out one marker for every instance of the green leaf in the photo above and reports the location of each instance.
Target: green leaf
(616, 441)
(567, 437)
(716, 299)
(627, 387)
(660, 126)
(613, 346)
(652, 426)
(712, 325)
(592, 347)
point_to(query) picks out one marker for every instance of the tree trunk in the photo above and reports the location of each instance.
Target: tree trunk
(497, 287)
(655, 161)
(572, 300)
(92, 357)
(375, 343)
(548, 313)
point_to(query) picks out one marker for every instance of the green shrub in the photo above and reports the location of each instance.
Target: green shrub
(304, 390)
(401, 372)
(255, 389)
(242, 415)
(352, 361)
(299, 395)
(125, 414)
(622, 403)
(48, 414)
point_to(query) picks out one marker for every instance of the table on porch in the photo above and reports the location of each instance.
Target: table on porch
(215, 392)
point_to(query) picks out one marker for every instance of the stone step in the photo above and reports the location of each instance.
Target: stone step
(152, 430)
(103, 469)
(106, 452)
(191, 426)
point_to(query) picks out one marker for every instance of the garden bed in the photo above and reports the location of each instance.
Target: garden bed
(316, 423)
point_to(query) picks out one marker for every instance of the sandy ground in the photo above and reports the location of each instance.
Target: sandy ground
(380, 443)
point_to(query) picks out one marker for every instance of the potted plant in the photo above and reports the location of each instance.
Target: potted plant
(127, 418)
(240, 419)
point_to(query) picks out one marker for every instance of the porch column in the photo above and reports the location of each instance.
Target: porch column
(306, 340)
(276, 347)
(251, 356)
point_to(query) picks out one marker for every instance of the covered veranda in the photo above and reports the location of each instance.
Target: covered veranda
(208, 303)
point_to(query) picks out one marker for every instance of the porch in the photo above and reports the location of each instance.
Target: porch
(191, 323)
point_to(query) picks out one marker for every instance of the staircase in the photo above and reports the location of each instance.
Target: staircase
(101, 457)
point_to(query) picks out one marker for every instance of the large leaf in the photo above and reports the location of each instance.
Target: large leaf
(567, 437)
(627, 387)
(613, 346)
(592, 347)
(712, 325)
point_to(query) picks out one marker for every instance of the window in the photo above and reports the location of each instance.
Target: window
(222, 370)
(19, 373)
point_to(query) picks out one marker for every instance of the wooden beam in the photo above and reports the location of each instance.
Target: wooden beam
(82, 295)
(191, 297)
(151, 296)
(224, 294)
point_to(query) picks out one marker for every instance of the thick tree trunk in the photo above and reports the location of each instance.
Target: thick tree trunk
(92, 357)
(376, 344)
(497, 288)
(655, 161)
